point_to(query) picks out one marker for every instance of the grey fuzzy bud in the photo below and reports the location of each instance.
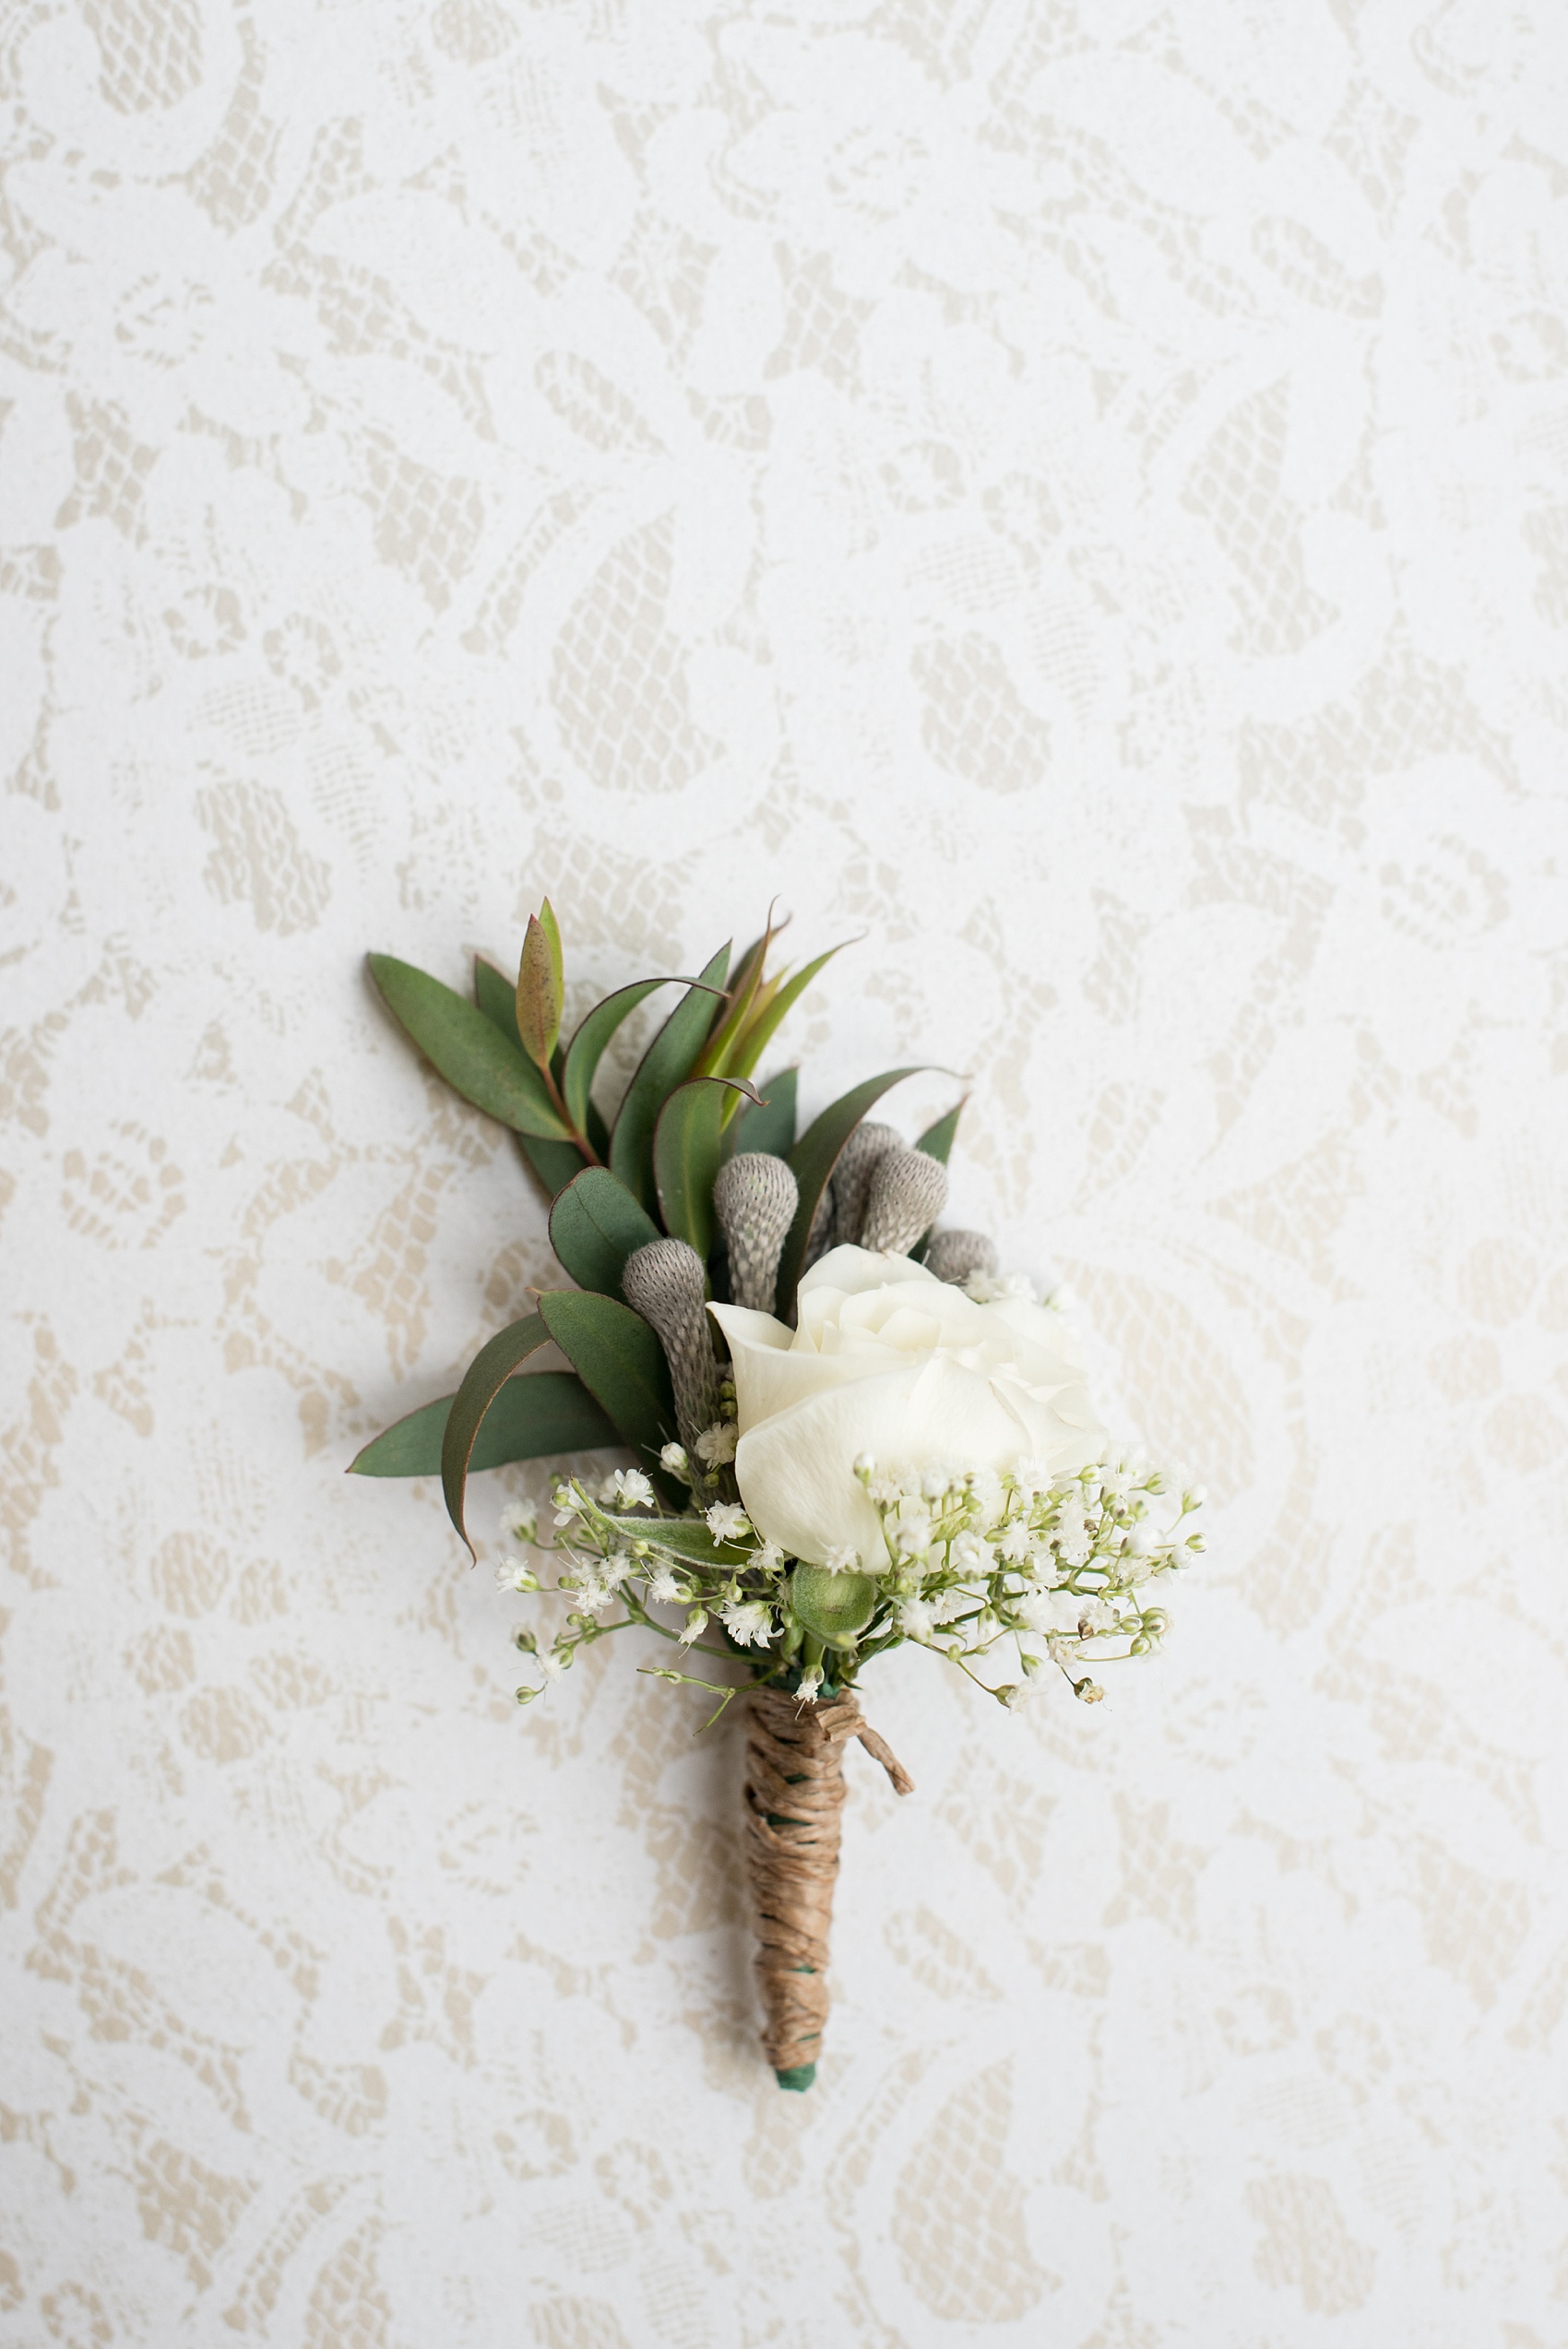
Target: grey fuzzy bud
(957, 1256)
(755, 1197)
(819, 1239)
(907, 1193)
(851, 1178)
(666, 1283)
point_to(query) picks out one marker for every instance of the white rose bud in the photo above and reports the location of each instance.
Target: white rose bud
(889, 1360)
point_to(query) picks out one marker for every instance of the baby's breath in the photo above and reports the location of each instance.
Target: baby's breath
(1006, 1574)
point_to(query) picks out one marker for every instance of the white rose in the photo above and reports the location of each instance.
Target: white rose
(891, 1361)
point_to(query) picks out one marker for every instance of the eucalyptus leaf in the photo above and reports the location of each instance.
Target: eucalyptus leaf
(594, 1226)
(667, 1063)
(833, 1607)
(687, 1152)
(482, 1381)
(542, 1412)
(467, 1048)
(622, 1364)
(812, 1161)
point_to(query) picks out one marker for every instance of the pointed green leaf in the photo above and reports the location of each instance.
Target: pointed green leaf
(737, 1005)
(813, 1160)
(551, 929)
(833, 1607)
(937, 1141)
(547, 1410)
(622, 1364)
(594, 1226)
(759, 1031)
(497, 998)
(482, 1381)
(587, 1047)
(684, 1537)
(687, 1152)
(667, 1063)
(466, 1047)
(768, 1124)
(538, 992)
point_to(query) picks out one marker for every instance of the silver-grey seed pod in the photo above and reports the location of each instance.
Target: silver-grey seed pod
(666, 1283)
(819, 1239)
(851, 1178)
(957, 1256)
(755, 1197)
(907, 1193)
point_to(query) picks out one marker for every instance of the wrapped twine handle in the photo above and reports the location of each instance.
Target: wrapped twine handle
(794, 1799)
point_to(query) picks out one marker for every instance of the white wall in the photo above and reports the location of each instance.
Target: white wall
(1084, 504)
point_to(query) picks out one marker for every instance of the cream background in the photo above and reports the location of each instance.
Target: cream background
(1083, 501)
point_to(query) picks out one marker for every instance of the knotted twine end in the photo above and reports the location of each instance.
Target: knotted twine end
(794, 1796)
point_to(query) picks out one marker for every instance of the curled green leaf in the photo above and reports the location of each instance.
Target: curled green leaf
(545, 1411)
(482, 1381)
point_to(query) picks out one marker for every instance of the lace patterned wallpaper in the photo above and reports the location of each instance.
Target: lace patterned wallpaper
(1082, 499)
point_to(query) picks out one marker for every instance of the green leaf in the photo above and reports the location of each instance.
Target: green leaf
(497, 998)
(736, 1007)
(667, 1063)
(555, 1164)
(482, 1381)
(466, 1047)
(813, 1160)
(758, 1032)
(594, 1226)
(587, 1047)
(833, 1607)
(769, 1124)
(687, 1152)
(539, 989)
(622, 1364)
(937, 1141)
(683, 1538)
(547, 1410)
(551, 929)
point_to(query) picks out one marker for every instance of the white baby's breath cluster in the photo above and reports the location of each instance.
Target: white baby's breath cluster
(1017, 1569)
(985, 1567)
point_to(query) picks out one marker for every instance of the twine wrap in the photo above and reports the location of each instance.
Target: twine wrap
(856, 1165)
(755, 1197)
(667, 1284)
(794, 1802)
(958, 1255)
(906, 1193)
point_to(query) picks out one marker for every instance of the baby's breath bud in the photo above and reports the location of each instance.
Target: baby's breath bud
(524, 1639)
(527, 1696)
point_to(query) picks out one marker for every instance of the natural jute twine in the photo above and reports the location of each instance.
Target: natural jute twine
(794, 1799)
